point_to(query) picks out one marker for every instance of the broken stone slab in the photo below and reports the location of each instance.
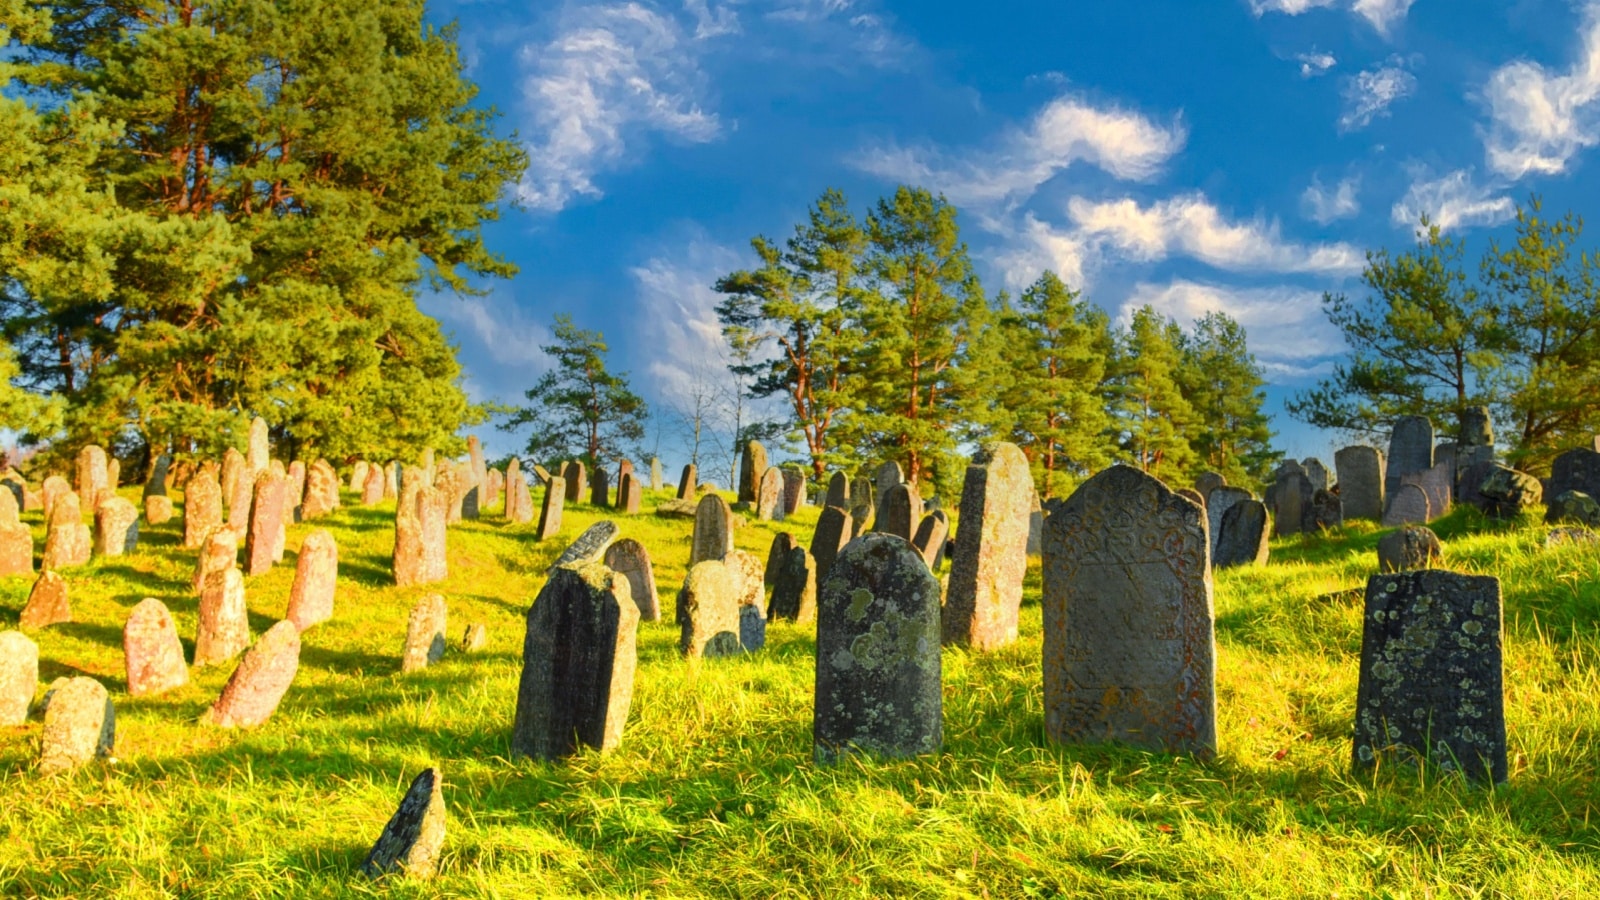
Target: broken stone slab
(425, 634)
(411, 841)
(257, 686)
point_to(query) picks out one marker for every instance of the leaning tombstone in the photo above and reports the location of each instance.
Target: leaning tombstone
(931, 536)
(19, 677)
(708, 611)
(631, 560)
(991, 550)
(833, 532)
(263, 545)
(47, 603)
(550, 511)
(578, 663)
(1218, 503)
(1408, 505)
(1242, 536)
(1361, 482)
(630, 495)
(257, 686)
(541, 475)
(116, 526)
(16, 539)
(590, 546)
(425, 634)
(67, 541)
(900, 511)
(713, 530)
(316, 576)
(223, 629)
(151, 650)
(1129, 651)
(878, 678)
(411, 841)
(752, 466)
(687, 482)
(80, 725)
(1430, 687)
(1410, 450)
(794, 590)
(1411, 547)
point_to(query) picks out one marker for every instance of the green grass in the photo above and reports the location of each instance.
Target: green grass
(713, 792)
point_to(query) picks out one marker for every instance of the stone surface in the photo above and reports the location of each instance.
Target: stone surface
(425, 634)
(1326, 511)
(833, 532)
(1576, 507)
(541, 474)
(92, 476)
(1575, 470)
(1242, 537)
(1316, 473)
(238, 486)
(600, 488)
(519, 501)
(769, 496)
(900, 511)
(1476, 428)
(794, 489)
(224, 624)
(687, 482)
(1504, 492)
(372, 486)
(116, 526)
(220, 551)
(708, 610)
(777, 554)
(258, 452)
(1190, 494)
(555, 497)
(1292, 497)
(158, 509)
(838, 491)
(67, 542)
(1431, 675)
(794, 590)
(752, 466)
(19, 677)
(80, 725)
(47, 603)
(411, 841)
(296, 491)
(156, 484)
(1569, 535)
(578, 661)
(16, 539)
(421, 522)
(878, 653)
(1408, 505)
(1129, 651)
(475, 638)
(577, 481)
(151, 650)
(1410, 450)
(53, 488)
(316, 579)
(358, 474)
(257, 686)
(1361, 482)
(713, 530)
(263, 545)
(886, 476)
(1438, 484)
(991, 550)
(322, 492)
(1410, 547)
(863, 504)
(630, 495)
(932, 535)
(1217, 505)
(748, 571)
(656, 481)
(631, 560)
(590, 546)
(1206, 482)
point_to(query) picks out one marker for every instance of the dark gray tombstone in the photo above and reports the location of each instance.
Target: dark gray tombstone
(1242, 535)
(794, 489)
(1411, 547)
(1361, 479)
(931, 536)
(1206, 482)
(1437, 484)
(555, 494)
(1292, 495)
(411, 841)
(794, 592)
(1316, 473)
(900, 510)
(577, 481)
(833, 532)
(1575, 470)
(1408, 505)
(1326, 511)
(600, 488)
(777, 554)
(1217, 505)
(1410, 450)
(838, 491)
(687, 482)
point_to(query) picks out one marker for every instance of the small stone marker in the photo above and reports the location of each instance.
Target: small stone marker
(900, 511)
(316, 578)
(224, 626)
(425, 634)
(794, 490)
(752, 466)
(777, 555)
(411, 841)
(47, 603)
(53, 488)
(1431, 674)
(931, 536)
(794, 592)
(590, 546)
(16, 539)
(630, 495)
(372, 486)
(1504, 492)
(1217, 505)
(67, 542)
(92, 475)
(152, 651)
(221, 551)
(833, 532)
(1361, 482)
(1411, 547)
(1206, 482)
(838, 491)
(550, 512)
(577, 480)
(769, 496)
(263, 545)
(656, 480)
(1242, 538)
(1410, 450)
(878, 645)
(1129, 652)
(1574, 506)
(708, 611)
(475, 638)
(600, 488)
(713, 530)
(687, 482)
(79, 725)
(158, 509)
(116, 526)
(1408, 505)
(19, 677)
(991, 552)
(1575, 470)
(631, 560)
(256, 687)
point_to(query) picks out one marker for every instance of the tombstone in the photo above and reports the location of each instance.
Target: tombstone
(419, 533)
(577, 480)
(295, 489)
(899, 512)
(411, 840)
(777, 554)
(47, 603)
(16, 539)
(1505, 492)
(590, 546)
(769, 496)
(53, 488)
(316, 577)
(1469, 484)
(631, 560)
(425, 463)
(877, 657)
(257, 686)
(863, 503)
(432, 512)
(372, 487)
(1574, 506)
(1292, 497)
(1446, 458)
(158, 510)
(237, 487)
(630, 495)
(1474, 437)
(542, 474)
(687, 482)
(519, 502)
(259, 453)
(1410, 547)
(479, 469)
(358, 474)
(1189, 494)
(263, 545)
(1242, 538)
(1217, 505)
(600, 488)
(1430, 687)
(202, 506)
(1438, 483)
(493, 487)
(991, 550)
(748, 571)
(794, 588)
(475, 638)
(1410, 450)
(80, 725)
(1361, 482)
(578, 663)
(713, 530)
(391, 480)
(425, 634)
(833, 532)
(322, 492)
(67, 541)
(452, 487)
(1129, 651)
(92, 475)
(624, 467)
(17, 488)
(1575, 470)
(550, 511)
(220, 551)
(1206, 482)
(1408, 505)
(156, 484)
(151, 650)
(794, 489)
(223, 629)
(931, 536)
(885, 477)
(708, 610)
(19, 677)
(752, 466)
(838, 491)
(656, 480)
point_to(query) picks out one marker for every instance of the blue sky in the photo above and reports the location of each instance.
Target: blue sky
(1235, 154)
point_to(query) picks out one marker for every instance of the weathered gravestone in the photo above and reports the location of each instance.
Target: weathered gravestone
(47, 603)
(156, 484)
(519, 500)
(687, 482)
(1444, 457)
(708, 610)
(451, 483)
(158, 510)
(372, 486)
(1410, 450)
(863, 504)
(1206, 482)
(79, 725)
(1574, 470)
(16, 539)
(257, 686)
(514, 474)
(713, 530)
(1242, 538)
(224, 624)
(542, 475)
(991, 552)
(425, 634)
(53, 488)
(899, 512)
(794, 489)
(878, 645)
(1438, 484)
(220, 551)
(1474, 437)
(1189, 494)
(1218, 503)
(92, 475)
(1410, 547)
(600, 488)
(1316, 473)
(19, 677)
(577, 481)
(769, 496)
(116, 526)
(578, 663)
(358, 474)
(1574, 506)
(238, 487)
(263, 544)
(295, 489)
(1361, 482)
(833, 532)
(631, 560)
(494, 486)
(777, 554)
(1408, 505)
(747, 571)
(932, 535)
(590, 546)
(1431, 674)
(794, 588)
(1292, 496)
(411, 841)
(656, 481)
(1129, 652)
(475, 638)
(1504, 492)
(316, 577)
(885, 477)
(322, 491)
(151, 650)
(1326, 511)
(258, 451)
(67, 541)
(630, 495)
(752, 466)
(555, 494)
(838, 491)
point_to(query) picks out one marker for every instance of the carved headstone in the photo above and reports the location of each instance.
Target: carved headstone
(1411, 547)
(708, 611)
(79, 725)
(1410, 450)
(19, 677)
(631, 560)
(794, 489)
(316, 578)
(151, 650)
(1292, 496)
(590, 546)
(833, 532)
(555, 494)
(1408, 505)
(713, 530)
(224, 623)
(991, 550)
(1242, 536)
(425, 634)
(900, 511)
(257, 686)
(411, 841)
(794, 590)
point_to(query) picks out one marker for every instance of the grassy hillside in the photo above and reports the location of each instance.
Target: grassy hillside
(713, 791)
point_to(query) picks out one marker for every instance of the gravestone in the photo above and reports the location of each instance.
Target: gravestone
(878, 654)
(656, 480)
(295, 495)
(113, 474)
(1410, 450)
(116, 526)
(833, 532)
(747, 571)
(322, 492)
(1437, 484)
(630, 495)
(257, 686)
(425, 463)
(794, 490)
(1408, 505)
(687, 482)
(542, 474)
(479, 471)
(426, 628)
(1206, 482)
(900, 511)
(1474, 438)
(391, 480)
(708, 611)
(158, 510)
(600, 488)
(863, 503)
(372, 487)
(769, 496)
(513, 474)
(885, 477)
(16, 539)
(1431, 674)
(931, 536)
(577, 481)
(1326, 511)
(991, 553)
(156, 484)
(358, 474)
(151, 650)
(451, 483)
(1444, 457)
(220, 552)
(259, 452)
(838, 491)
(1574, 506)
(53, 488)
(713, 530)
(263, 545)
(1242, 538)
(407, 561)
(590, 546)
(631, 560)
(1317, 473)
(1129, 651)
(414, 835)
(47, 603)
(67, 541)
(475, 638)
(80, 725)
(555, 494)
(19, 677)
(578, 661)
(238, 486)
(1292, 497)
(752, 466)
(316, 577)
(1504, 492)
(1575, 470)
(1361, 482)
(777, 554)
(519, 500)
(1189, 494)
(794, 589)
(1410, 547)
(92, 475)
(1218, 503)
(224, 623)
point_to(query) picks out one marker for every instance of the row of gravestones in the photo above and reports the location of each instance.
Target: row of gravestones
(773, 492)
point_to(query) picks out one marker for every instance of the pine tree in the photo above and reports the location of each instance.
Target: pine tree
(579, 409)
(1223, 384)
(1153, 417)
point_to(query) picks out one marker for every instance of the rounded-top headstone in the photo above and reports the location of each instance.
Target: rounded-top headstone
(713, 530)
(152, 651)
(79, 725)
(316, 579)
(19, 676)
(630, 559)
(257, 686)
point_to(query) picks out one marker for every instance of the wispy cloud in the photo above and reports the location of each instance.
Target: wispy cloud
(1540, 120)
(676, 313)
(1287, 330)
(1323, 205)
(1315, 63)
(1369, 94)
(494, 325)
(1452, 201)
(1382, 15)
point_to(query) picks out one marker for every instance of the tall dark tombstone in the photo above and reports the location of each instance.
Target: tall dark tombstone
(794, 590)
(1217, 505)
(1292, 498)
(752, 465)
(991, 558)
(1431, 674)
(878, 653)
(1242, 536)
(833, 532)
(600, 488)
(1361, 482)
(577, 480)
(555, 494)
(1410, 450)
(1129, 649)
(630, 495)
(1575, 470)
(1408, 505)
(687, 482)
(838, 491)
(782, 543)
(900, 511)
(932, 535)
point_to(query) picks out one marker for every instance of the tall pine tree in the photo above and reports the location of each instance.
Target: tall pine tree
(580, 409)
(1223, 384)
(1153, 417)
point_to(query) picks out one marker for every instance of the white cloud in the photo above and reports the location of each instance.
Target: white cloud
(676, 311)
(1322, 205)
(1368, 95)
(1287, 7)
(495, 324)
(1067, 130)
(1287, 331)
(1452, 201)
(1315, 63)
(1034, 246)
(1382, 15)
(1539, 120)
(1189, 224)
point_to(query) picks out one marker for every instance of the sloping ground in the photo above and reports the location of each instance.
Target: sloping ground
(713, 791)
